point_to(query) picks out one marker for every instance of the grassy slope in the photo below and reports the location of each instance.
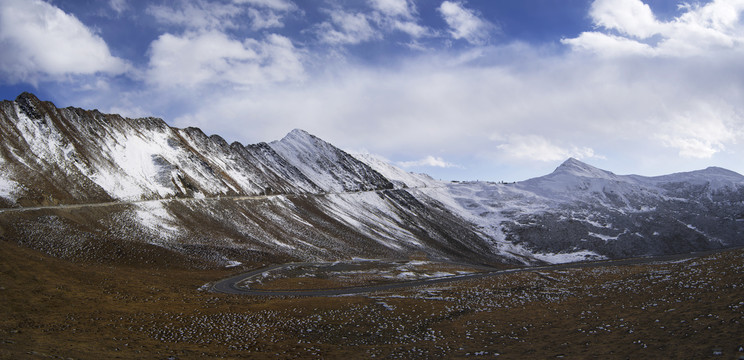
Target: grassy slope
(53, 307)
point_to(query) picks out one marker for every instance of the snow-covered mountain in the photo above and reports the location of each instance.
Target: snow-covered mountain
(298, 198)
(84, 156)
(580, 211)
(85, 185)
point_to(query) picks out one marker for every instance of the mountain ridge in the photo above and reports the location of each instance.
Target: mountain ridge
(325, 203)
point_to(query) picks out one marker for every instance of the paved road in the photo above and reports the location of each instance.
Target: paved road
(229, 285)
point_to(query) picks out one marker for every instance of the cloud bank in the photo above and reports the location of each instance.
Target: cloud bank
(39, 41)
(631, 86)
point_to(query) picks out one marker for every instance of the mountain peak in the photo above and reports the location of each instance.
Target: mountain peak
(330, 168)
(578, 168)
(571, 162)
(26, 97)
(298, 134)
(29, 104)
(301, 139)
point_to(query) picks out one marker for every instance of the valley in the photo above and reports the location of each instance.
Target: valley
(684, 308)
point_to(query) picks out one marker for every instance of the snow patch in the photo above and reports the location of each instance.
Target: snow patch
(399, 177)
(9, 189)
(561, 258)
(154, 216)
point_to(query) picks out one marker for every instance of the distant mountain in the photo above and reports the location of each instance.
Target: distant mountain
(89, 186)
(580, 211)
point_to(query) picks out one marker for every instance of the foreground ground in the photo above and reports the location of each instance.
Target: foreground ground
(56, 309)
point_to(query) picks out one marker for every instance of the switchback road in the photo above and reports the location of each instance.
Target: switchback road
(230, 285)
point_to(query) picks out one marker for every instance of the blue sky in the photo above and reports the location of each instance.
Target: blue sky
(478, 89)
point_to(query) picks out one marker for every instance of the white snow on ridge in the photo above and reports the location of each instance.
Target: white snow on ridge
(482, 204)
(561, 258)
(42, 137)
(716, 178)
(224, 162)
(399, 177)
(145, 164)
(9, 189)
(135, 157)
(604, 237)
(154, 216)
(379, 221)
(303, 151)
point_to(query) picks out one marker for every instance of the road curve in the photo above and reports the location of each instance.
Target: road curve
(229, 285)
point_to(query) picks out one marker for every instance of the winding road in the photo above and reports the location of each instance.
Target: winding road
(230, 285)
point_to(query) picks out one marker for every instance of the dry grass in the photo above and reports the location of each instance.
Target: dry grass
(54, 308)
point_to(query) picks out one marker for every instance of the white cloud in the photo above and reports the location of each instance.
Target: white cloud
(346, 28)
(208, 58)
(279, 5)
(39, 41)
(704, 135)
(265, 19)
(385, 17)
(211, 15)
(119, 5)
(429, 161)
(629, 17)
(394, 8)
(465, 23)
(548, 108)
(608, 45)
(267, 14)
(643, 96)
(197, 15)
(538, 148)
(398, 15)
(411, 28)
(699, 30)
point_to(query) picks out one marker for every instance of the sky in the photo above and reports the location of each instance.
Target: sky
(461, 90)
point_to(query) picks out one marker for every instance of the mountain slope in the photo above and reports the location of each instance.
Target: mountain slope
(86, 156)
(331, 169)
(299, 198)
